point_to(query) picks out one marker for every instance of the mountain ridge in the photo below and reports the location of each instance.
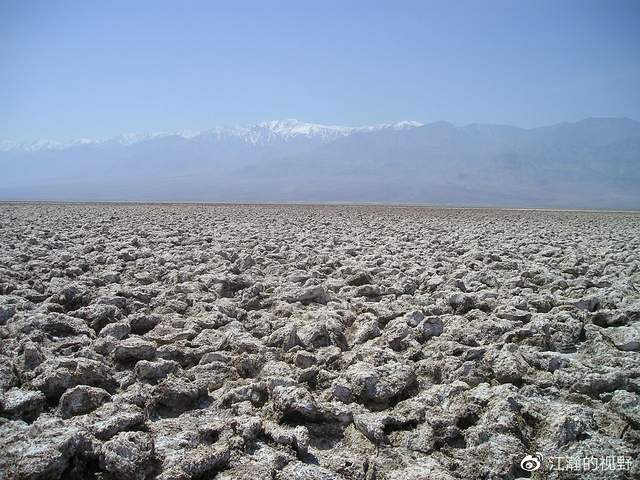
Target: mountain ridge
(593, 163)
(285, 128)
(252, 133)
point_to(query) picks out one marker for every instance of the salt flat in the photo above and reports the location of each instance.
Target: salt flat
(314, 342)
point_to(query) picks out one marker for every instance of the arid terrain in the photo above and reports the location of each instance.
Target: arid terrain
(178, 342)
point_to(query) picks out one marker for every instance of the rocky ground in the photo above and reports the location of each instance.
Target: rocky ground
(301, 342)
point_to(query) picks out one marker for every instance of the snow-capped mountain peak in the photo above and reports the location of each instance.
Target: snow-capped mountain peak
(263, 133)
(292, 127)
(407, 124)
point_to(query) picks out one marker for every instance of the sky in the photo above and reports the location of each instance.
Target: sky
(89, 69)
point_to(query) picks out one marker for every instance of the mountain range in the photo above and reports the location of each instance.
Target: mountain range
(593, 163)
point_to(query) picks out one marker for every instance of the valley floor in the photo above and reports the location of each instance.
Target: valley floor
(317, 342)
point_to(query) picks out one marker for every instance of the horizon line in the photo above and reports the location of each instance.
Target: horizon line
(432, 206)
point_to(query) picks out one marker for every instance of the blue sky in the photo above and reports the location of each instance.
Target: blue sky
(98, 69)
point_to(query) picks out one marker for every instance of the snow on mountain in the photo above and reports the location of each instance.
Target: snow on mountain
(587, 164)
(263, 133)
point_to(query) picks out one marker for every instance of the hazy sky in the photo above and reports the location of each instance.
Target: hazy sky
(97, 69)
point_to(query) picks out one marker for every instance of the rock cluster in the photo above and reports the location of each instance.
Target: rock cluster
(302, 342)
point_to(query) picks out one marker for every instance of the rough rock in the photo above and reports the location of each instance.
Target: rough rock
(156, 370)
(129, 455)
(22, 404)
(178, 342)
(132, 349)
(82, 399)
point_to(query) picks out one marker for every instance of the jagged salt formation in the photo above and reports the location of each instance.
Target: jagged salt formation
(302, 342)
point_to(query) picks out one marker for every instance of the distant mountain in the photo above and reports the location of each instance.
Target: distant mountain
(594, 163)
(264, 133)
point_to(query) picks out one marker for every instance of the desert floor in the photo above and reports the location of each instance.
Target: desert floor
(316, 342)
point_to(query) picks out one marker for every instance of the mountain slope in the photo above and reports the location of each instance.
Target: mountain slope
(594, 163)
